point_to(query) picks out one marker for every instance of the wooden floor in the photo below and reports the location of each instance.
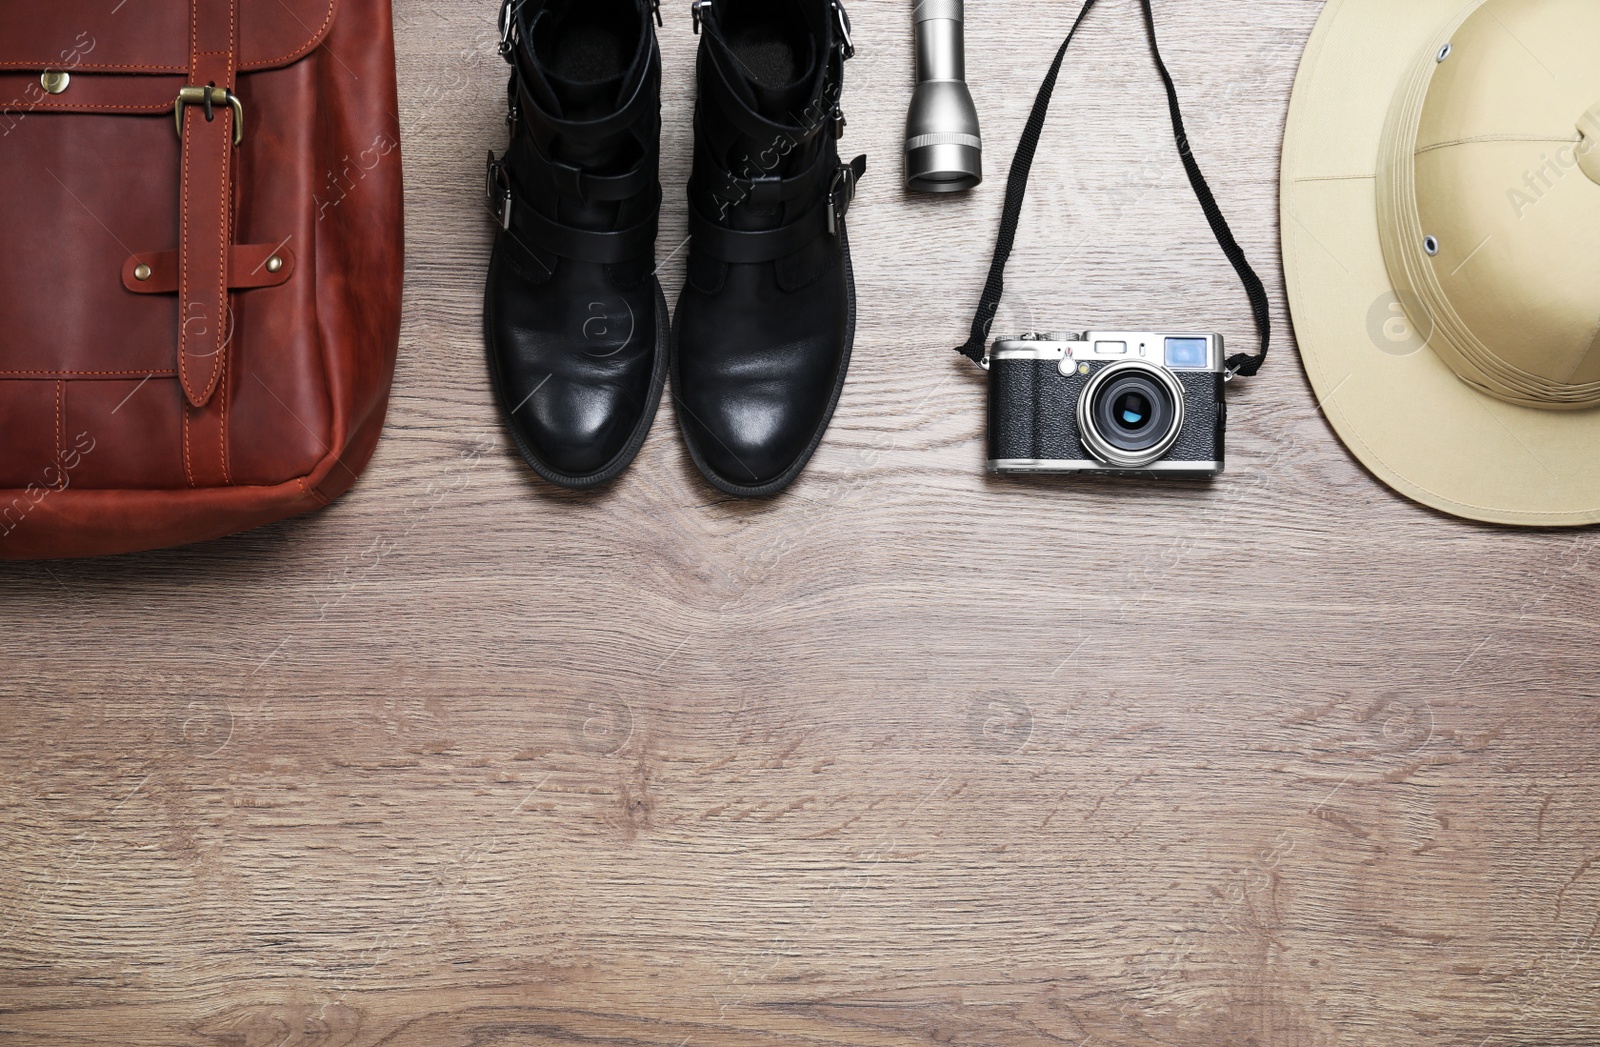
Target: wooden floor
(909, 756)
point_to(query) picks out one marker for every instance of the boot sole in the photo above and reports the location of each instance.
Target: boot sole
(625, 457)
(791, 474)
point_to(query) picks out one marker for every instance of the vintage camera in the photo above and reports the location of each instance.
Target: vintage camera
(1129, 404)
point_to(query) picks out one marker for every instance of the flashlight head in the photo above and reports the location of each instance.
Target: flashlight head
(944, 149)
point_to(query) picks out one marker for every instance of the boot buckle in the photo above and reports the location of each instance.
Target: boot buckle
(844, 29)
(499, 191)
(508, 29)
(844, 184)
(697, 10)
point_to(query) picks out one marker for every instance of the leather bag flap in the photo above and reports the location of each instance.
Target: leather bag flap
(151, 36)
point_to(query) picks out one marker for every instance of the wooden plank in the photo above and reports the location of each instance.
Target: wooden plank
(910, 755)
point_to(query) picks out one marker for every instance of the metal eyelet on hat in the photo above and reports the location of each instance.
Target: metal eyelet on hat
(1430, 244)
(1445, 51)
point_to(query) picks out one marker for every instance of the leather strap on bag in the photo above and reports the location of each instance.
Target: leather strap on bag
(1017, 191)
(207, 117)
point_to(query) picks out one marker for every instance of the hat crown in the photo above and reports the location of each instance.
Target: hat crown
(1489, 207)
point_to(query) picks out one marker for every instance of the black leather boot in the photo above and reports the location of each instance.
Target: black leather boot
(764, 328)
(574, 317)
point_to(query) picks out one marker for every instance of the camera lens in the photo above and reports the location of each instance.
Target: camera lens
(1133, 411)
(1130, 414)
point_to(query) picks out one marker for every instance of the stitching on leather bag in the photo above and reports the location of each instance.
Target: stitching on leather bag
(188, 468)
(311, 45)
(219, 364)
(119, 374)
(67, 107)
(222, 431)
(194, 38)
(60, 436)
(224, 259)
(222, 266)
(25, 64)
(298, 52)
(183, 238)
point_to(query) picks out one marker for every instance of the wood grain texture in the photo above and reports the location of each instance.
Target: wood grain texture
(908, 756)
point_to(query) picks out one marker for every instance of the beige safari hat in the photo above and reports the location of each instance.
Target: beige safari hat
(1441, 242)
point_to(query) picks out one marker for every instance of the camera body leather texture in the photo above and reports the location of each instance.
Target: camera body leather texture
(1033, 413)
(200, 296)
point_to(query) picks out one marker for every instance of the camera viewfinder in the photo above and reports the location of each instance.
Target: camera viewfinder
(1188, 353)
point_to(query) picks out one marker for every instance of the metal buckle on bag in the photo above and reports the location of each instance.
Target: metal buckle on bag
(697, 11)
(210, 97)
(498, 188)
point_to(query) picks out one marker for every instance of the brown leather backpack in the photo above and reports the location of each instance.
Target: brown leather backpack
(201, 274)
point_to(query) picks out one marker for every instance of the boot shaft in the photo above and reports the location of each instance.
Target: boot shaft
(580, 59)
(770, 79)
(585, 110)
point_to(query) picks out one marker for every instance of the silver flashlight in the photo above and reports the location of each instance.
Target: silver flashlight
(944, 148)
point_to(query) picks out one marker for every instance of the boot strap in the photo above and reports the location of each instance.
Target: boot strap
(573, 181)
(534, 131)
(569, 179)
(502, 192)
(769, 245)
(546, 127)
(734, 116)
(761, 192)
(565, 241)
(583, 245)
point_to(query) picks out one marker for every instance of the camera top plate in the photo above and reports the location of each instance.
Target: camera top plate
(1172, 350)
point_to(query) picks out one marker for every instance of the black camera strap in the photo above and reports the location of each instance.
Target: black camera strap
(1017, 191)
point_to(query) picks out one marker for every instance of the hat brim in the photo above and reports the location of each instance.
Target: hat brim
(1396, 405)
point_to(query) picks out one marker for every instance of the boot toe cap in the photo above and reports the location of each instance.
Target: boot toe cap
(751, 435)
(577, 404)
(572, 429)
(754, 397)
(750, 443)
